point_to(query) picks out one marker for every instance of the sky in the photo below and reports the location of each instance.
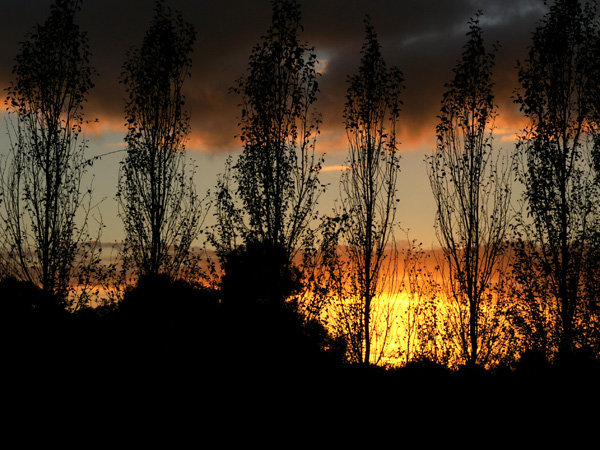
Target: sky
(423, 38)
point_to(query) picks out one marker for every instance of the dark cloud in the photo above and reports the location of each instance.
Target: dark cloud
(422, 37)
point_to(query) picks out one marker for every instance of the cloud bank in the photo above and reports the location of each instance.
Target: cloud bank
(422, 37)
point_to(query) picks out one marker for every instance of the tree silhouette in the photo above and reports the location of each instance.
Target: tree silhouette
(41, 241)
(258, 273)
(360, 252)
(471, 193)
(159, 206)
(592, 270)
(265, 330)
(553, 164)
(269, 194)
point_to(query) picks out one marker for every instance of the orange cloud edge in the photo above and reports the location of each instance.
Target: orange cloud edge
(332, 139)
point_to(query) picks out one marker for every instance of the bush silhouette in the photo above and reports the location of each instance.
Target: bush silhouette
(267, 332)
(31, 325)
(258, 273)
(22, 300)
(162, 319)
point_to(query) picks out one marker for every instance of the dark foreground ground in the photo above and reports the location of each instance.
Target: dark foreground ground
(171, 336)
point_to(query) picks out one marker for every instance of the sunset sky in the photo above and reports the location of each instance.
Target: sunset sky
(422, 37)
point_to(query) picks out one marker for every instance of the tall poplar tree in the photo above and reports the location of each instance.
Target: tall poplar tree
(269, 195)
(359, 245)
(561, 198)
(158, 202)
(472, 197)
(41, 239)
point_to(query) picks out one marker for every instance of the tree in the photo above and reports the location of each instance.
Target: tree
(361, 255)
(276, 176)
(592, 273)
(159, 206)
(553, 165)
(472, 197)
(41, 195)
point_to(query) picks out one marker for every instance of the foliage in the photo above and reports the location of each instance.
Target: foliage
(258, 274)
(267, 326)
(22, 300)
(159, 206)
(269, 195)
(360, 256)
(42, 240)
(470, 186)
(557, 233)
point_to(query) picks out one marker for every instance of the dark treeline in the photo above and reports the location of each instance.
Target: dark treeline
(279, 287)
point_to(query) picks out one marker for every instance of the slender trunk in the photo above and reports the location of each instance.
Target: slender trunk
(368, 252)
(564, 294)
(367, 315)
(474, 332)
(46, 281)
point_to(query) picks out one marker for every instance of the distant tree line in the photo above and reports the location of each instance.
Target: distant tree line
(515, 279)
